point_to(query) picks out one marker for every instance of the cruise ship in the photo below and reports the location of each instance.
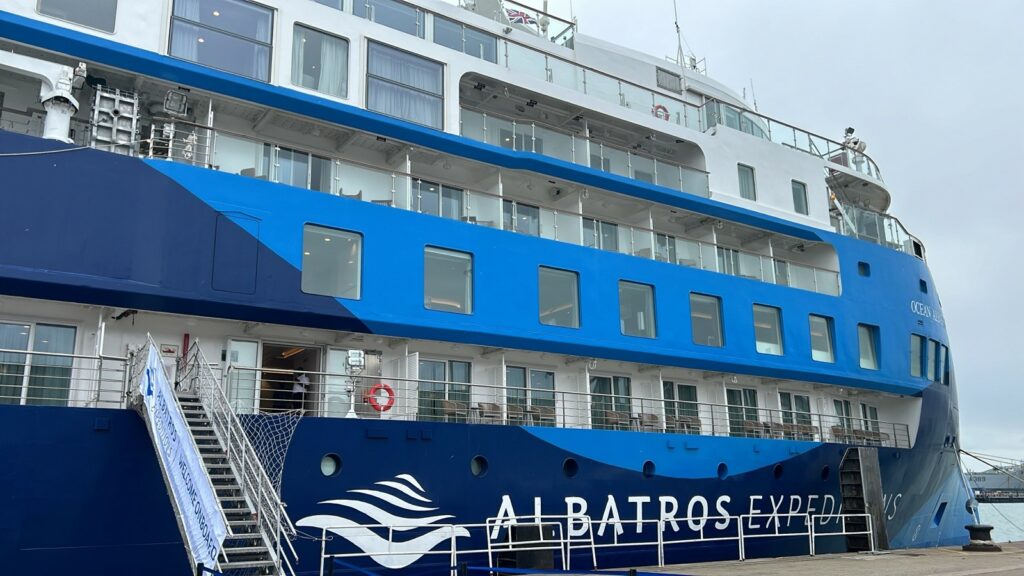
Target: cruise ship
(414, 287)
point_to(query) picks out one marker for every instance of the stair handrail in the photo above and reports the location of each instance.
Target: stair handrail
(271, 517)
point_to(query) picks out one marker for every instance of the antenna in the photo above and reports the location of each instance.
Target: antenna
(680, 57)
(753, 96)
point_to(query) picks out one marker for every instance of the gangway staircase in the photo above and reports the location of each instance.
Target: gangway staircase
(259, 532)
(860, 486)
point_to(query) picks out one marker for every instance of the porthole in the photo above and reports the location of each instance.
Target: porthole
(478, 466)
(825, 471)
(777, 471)
(330, 465)
(723, 470)
(648, 469)
(570, 467)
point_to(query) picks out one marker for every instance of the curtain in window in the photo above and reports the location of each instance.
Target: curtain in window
(185, 38)
(405, 86)
(260, 53)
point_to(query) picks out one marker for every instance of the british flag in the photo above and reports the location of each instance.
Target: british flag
(519, 17)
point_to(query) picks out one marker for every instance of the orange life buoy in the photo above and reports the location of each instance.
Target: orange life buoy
(375, 400)
(660, 111)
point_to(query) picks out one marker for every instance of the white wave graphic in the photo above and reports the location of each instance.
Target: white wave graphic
(394, 554)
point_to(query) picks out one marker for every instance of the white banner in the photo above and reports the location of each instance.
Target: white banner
(196, 500)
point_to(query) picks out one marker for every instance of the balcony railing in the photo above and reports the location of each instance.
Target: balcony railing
(224, 150)
(52, 379)
(531, 136)
(374, 397)
(882, 229)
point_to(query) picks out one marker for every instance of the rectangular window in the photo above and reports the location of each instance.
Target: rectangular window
(944, 365)
(869, 417)
(844, 414)
(403, 85)
(611, 402)
(748, 189)
(933, 359)
(522, 218)
(636, 309)
(43, 377)
(531, 389)
(680, 399)
(98, 14)
(767, 330)
(447, 280)
(320, 62)
(444, 391)
(336, 4)
(393, 14)
(800, 197)
(796, 411)
(670, 81)
(867, 336)
(438, 200)
(559, 297)
(458, 36)
(598, 234)
(917, 355)
(821, 339)
(332, 262)
(743, 413)
(230, 35)
(706, 319)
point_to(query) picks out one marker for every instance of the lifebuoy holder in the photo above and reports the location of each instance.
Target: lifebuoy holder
(377, 402)
(660, 111)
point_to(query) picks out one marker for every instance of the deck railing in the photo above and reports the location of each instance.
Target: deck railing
(53, 379)
(349, 395)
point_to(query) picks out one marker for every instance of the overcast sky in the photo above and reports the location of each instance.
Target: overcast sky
(936, 89)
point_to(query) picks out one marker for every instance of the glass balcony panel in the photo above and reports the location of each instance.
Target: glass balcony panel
(603, 87)
(767, 269)
(671, 110)
(695, 182)
(625, 241)
(552, 143)
(827, 282)
(668, 175)
(687, 252)
(402, 194)
(782, 273)
(569, 226)
(637, 98)
(643, 167)
(500, 132)
(749, 266)
(643, 243)
(524, 137)
(236, 155)
(364, 183)
(616, 161)
(801, 277)
(565, 74)
(527, 61)
(784, 135)
(483, 209)
(819, 146)
(547, 223)
(708, 257)
(473, 125)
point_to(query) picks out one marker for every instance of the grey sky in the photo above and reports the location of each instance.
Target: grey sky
(936, 89)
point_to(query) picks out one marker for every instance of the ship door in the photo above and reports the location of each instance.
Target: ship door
(242, 375)
(289, 378)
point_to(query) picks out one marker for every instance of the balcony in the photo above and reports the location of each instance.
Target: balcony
(877, 228)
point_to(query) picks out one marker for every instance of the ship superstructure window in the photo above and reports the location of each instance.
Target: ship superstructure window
(844, 413)
(933, 359)
(531, 395)
(336, 4)
(796, 408)
(636, 309)
(611, 402)
(444, 389)
(867, 337)
(403, 85)
(332, 262)
(36, 370)
(918, 356)
(821, 339)
(230, 35)
(600, 234)
(447, 280)
(98, 14)
(944, 365)
(670, 81)
(320, 62)
(706, 319)
(522, 218)
(748, 188)
(799, 197)
(743, 412)
(869, 417)
(767, 330)
(438, 199)
(458, 36)
(398, 15)
(680, 401)
(559, 297)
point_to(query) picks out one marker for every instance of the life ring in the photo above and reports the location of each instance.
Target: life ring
(374, 398)
(660, 111)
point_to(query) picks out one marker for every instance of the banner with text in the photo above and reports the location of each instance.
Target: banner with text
(200, 514)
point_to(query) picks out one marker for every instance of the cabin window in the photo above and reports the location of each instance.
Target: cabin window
(97, 14)
(869, 417)
(230, 35)
(680, 400)
(320, 62)
(800, 197)
(599, 234)
(398, 15)
(559, 298)
(611, 402)
(748, 188)
(821, 339)
(522, 218)
(917, 355)
(332, 262)
(533, 392)
(636, 309)
(796, 408)
(706, 319)
(933, 360)
(670, 81)
(336, 4)
(767, 330)
(42, 378)
(944, 365)
(448, 280)
(867, 337)
(438, 199)
(458, 36)
(405, 86)
(744, 416)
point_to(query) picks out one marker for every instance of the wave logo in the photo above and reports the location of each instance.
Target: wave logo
(403, 493)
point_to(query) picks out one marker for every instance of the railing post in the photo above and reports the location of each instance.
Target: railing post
(739, 537)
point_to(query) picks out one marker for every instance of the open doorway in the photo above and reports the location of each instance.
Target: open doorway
(289, 379)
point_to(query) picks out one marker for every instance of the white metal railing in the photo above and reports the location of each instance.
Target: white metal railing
(54, 379)
(349, 395)
(578, 531)
(882, 229)
(275, 527)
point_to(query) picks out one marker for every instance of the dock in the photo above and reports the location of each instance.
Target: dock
(946, 561)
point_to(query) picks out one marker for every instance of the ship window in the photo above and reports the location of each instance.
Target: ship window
(821, 339)
(867, 336)
(531, 389)
(448, 280)
(458, 36)
(336, 4)
(796, 409)
(917, 355)
(680, 401)
(742, 411)
(923, 286)
(944, 365)
(933, 360)
(611, 402)
(438, 200)
(98, 14)
(706, 319)
(559, 297)
(230, 35)
(636, 309)
(522, 218)
(320, 62)
(331, 262)
(397, 15)
(748, 188)
(670, 81)
(800, 197)
(403, 85)
(599, 234)
(48, 378)
(767, 330)
(869, 417)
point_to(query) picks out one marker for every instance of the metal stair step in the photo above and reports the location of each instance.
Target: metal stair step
(246, 550)
(242, 522)
(242, 565)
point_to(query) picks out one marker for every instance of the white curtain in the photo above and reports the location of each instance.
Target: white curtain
(395, 95)
(333, 66)
(185, 37)
(261, 54)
